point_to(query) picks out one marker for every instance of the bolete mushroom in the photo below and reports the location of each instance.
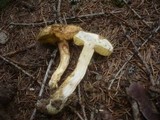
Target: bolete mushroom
(59, 33)
(92, 42)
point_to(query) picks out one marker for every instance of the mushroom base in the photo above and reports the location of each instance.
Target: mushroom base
(52, 107)
(49, 106)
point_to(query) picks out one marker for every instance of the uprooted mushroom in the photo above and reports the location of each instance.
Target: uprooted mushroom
(92, 42)
(61, 34)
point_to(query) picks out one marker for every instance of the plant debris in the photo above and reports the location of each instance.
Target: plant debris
(138, 93)
(3, 37)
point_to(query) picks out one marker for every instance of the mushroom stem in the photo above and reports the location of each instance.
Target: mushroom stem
(92, 42)
(58, 99)
(70, 84)
(64, 61)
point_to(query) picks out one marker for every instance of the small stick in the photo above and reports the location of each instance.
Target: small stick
(53, 21)
(141, 58)
(59, 11)
(53, 55)
(64, 18)
(20, 50)
(119, 71)
(59, 8)
(124, 21)
(92, 115)
(80, 100)
(80, 117)
(16, 66)
(44, 80)
(150, 36)
(136, 14)
(129, 58)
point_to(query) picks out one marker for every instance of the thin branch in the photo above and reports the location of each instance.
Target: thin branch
(59, 8)
(80, 117)
(20, 50)
(124, 21)
(16, 66)
(80, 100)
(136, 13)
(119, 71)
(150, 36)
(59, 11)
(32, 24)
(64, 18)
(92, 115)
(44, 80)
(48, 69)
(53, 21)
(140, 56)
(129, 58)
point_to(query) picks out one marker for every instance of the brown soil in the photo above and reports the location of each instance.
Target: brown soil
(115, 23)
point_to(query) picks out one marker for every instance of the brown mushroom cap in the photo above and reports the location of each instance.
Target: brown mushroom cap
(57, 32)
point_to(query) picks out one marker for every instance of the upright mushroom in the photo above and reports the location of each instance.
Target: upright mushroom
(59, 33)
(92, 42)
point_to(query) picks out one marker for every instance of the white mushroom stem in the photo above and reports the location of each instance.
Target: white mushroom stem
(70, 84)
(64, 61)
(92, 42)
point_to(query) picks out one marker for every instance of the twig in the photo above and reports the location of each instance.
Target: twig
(140, 56)
(150, 36)
(21, 64)
(53, 21)
(44, 80)
(16, 66)
(124, 21)
(20, 50)
(81, 118)
(64, 18)
(59, 8)
(136, 13)
(92, 115)
(80, 100)
(119, 71)
(59, 11)
(32, 24)
(48, 69)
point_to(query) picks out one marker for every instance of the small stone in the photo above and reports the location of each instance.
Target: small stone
(3, 37)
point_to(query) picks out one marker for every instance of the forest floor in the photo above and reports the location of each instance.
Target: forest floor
(132, 28)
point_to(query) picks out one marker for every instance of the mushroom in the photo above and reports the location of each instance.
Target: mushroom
(92, 42)
(59, 33)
